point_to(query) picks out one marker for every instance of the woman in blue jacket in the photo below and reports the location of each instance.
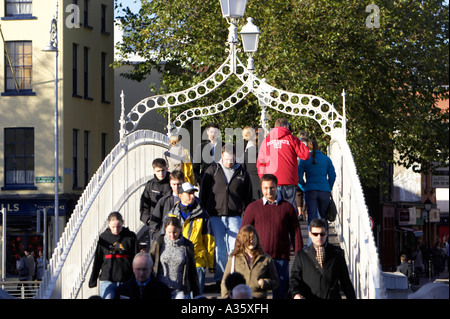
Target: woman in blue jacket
(320, 176)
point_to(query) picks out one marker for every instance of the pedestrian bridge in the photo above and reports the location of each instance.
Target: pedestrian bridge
(117, 186)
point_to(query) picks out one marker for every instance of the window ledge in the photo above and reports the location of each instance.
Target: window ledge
(20, 93)
(19, 187)
(20, 17)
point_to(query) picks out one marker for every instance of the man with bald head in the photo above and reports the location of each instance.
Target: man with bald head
(241, 291)
(143, 285)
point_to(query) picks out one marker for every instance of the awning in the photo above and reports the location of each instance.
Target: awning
(417, 233)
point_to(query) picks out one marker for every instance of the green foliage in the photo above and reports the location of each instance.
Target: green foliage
(393, 75)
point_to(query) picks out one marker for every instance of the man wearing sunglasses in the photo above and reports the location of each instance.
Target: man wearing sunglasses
(319, 270)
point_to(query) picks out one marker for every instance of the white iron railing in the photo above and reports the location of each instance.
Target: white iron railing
(353, 225)
(117, 182)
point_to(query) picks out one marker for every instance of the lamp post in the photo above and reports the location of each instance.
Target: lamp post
(427, 204)
(232, 11)
(52, 46)
(250, 39)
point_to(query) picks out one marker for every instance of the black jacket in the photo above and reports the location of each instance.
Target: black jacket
(152, 290)
(163, 206)
(190, 277)
(311, 281)
(114, 257)
(153, 191)
(221, 199)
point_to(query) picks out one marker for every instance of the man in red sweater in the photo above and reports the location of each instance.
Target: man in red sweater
(277, 224)
(278, 156)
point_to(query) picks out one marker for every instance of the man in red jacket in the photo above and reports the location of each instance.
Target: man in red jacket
(278, 156)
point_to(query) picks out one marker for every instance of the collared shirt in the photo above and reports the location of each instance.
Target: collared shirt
(265, 201)
(142, 284)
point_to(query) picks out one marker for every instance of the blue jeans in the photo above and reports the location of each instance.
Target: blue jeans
(282, 267)
(288, 193)
(225, 230)
(317, 204)
(108, 289)
(201, 271)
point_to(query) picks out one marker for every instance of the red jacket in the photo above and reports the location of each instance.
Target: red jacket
(278, 155)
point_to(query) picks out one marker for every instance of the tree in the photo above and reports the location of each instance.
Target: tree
(393, 75)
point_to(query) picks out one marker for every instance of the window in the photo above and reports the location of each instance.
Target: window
(75, 70)
(20, 81)
(103, 19)
(86, 158)
(75, 159)
(86, 73)
(16, 8)
(19, 158)
(103, 76)
(86, 15)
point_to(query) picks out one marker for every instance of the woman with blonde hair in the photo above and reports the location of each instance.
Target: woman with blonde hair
(175, 156)
(249, 259)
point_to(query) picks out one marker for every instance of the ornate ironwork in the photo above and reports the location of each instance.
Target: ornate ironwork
(295, 104)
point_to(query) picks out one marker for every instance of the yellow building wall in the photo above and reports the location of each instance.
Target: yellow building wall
(74, 113)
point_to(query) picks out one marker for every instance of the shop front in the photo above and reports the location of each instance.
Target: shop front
(29, 224)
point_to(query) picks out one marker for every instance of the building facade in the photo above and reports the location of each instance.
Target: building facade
(85, 99)
(403, 223)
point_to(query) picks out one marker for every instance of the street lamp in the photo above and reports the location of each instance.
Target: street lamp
(232, 11)
(427, 204)
(233, 8)
(52, 46)
(250, 39)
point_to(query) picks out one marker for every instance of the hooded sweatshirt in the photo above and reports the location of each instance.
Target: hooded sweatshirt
(278, 156)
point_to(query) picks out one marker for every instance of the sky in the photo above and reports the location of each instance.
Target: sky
(133, 4)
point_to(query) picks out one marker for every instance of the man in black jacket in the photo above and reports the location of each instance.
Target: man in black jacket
(226, 191)
(154, 190)
(165, 204)
(206, 153)
(320, 270)
(143, 285)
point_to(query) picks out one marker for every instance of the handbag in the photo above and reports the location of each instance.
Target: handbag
(188, 170)
(332, 210)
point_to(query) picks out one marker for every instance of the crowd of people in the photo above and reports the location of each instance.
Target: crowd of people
(239, 219)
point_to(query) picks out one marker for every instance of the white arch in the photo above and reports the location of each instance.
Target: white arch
(314, 107)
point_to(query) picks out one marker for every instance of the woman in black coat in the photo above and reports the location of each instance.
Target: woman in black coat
(113, 257)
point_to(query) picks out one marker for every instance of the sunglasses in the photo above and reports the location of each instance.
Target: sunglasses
(321, 234)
